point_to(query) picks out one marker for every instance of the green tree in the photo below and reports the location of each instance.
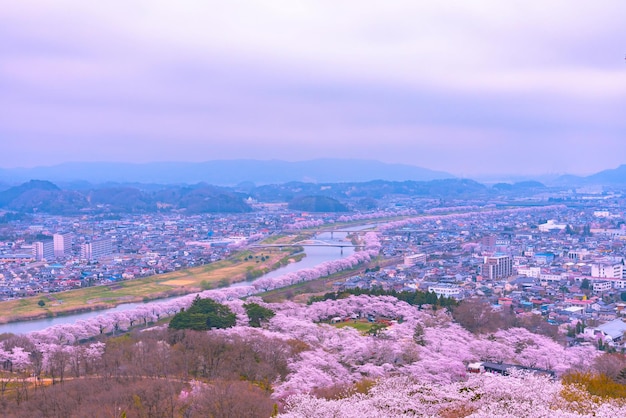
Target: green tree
(257, 314)
(204, 314)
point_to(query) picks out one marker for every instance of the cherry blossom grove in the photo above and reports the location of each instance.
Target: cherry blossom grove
(524, 395)
(344, 356)
(441, 357)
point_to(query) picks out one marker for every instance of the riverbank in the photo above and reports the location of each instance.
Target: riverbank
(240, 267)
(301, 292)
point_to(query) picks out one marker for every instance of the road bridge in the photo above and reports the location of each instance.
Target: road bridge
(310, 243)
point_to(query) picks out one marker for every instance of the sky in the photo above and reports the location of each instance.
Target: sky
(469, 87)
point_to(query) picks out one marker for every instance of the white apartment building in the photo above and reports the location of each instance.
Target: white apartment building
(413, 259)
(43, 250)
(601, 286)
(608, 270)
(96, 249)
(62, 245)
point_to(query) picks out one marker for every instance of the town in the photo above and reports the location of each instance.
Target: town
(562, 262)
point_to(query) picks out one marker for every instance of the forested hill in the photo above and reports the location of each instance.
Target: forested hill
(43, 196)
(72, 198)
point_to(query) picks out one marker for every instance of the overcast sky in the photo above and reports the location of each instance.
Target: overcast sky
(470, 87)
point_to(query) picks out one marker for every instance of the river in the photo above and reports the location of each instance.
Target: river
(314, 256)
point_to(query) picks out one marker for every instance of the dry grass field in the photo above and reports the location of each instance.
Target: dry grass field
(175, 283)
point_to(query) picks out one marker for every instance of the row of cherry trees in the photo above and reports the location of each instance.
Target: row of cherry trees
(480, 216)
(312, 223)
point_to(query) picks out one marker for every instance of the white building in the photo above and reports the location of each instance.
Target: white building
(529, 271)
(551, 225)
(578, 254)
(446, 290)
(62, 245)
(43, 250)
(607, 270)
(550, 277)
(413, 259)
(602, 286)
(96, 249)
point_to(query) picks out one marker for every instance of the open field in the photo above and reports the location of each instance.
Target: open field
(239, 267)
(362, 326)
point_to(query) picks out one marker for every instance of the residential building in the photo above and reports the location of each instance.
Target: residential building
(608, 270)
(62, 245)
(96, 249)
(497, 267)
(43, 250)
(601, 286)
(413, 259)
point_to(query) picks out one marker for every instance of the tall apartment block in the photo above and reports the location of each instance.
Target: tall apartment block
(96, 249)
(62, 245)
(43, 250)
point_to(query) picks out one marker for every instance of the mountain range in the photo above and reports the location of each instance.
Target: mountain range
(225, 172)
(83, 175)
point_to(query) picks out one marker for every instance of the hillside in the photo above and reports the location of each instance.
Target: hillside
(317, 204)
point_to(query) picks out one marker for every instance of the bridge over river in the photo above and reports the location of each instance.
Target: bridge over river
(311, 243)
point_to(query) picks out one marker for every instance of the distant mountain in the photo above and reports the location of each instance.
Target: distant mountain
(12, 193)
(568, 180)
(227, 172)
(42, 196)
(609, 177)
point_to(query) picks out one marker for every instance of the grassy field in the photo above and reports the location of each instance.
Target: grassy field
(221, 273)
(361, 326)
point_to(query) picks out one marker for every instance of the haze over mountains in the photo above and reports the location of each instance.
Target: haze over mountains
(260, 172)
(225, 172)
